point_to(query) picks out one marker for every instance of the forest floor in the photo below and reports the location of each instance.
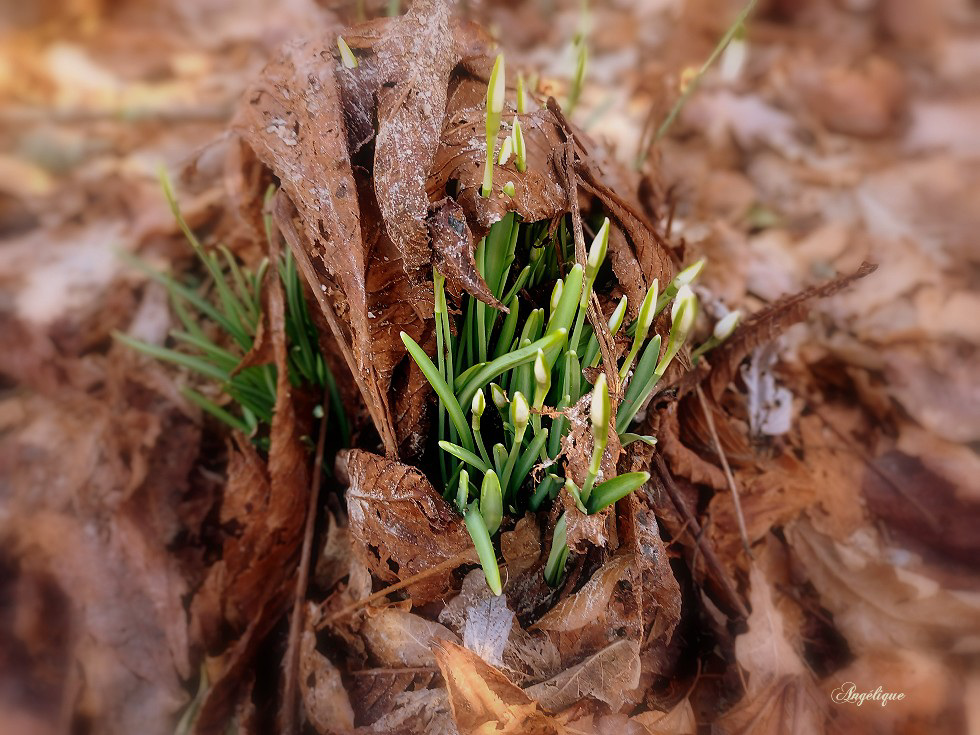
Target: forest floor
(848, 132)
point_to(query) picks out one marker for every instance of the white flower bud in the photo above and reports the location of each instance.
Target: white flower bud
(617, 317)
(498, 396)
(683, 312)
(726, 325)
(509, 189)
(519, 148)
(556, 294)
(687, 276)
(648, 309)
(520, 412)
(497, 87)
(479, 403)
(541, 373)
(597, 252)
(347, 57)
(505, 150)
(600, 410)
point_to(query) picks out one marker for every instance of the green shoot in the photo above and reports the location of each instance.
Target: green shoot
(495, 106)
(231, 301)
(529, 360)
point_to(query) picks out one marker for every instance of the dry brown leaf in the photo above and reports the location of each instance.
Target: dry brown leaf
(325, 698)
(521, 547)
(610, 676)
(397, 638)
(415, 55)
(303, 144)
(685, 462)
(767, 324)
(452, 248)
(250, 586)
(878, 603)
(780, 696)
(401, 526)
(483, 699)
(581, 624)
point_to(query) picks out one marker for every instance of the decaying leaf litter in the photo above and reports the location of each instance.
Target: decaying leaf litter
(547, 673)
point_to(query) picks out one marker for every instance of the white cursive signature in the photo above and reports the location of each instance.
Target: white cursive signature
(847, 693)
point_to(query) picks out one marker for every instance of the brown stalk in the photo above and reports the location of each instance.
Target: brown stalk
(287, 708)
(694, 528)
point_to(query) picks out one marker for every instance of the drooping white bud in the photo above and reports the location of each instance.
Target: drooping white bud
(683, 312)
(498, 396)
(726, 325)
(689, 274)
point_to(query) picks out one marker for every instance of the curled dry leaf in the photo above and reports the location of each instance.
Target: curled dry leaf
(484, 700)
(452, 248)
(401, 525)
(250, 586)
(416, 55)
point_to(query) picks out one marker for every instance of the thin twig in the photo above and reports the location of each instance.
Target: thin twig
(696, 80)
(451, 563)
(710, 558)
(729, 477)
(287, 712)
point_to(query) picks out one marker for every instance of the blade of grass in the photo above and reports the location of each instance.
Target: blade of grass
(442, 389)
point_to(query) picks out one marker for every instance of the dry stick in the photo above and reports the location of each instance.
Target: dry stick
(694, 83)
(695, 530)
(728, 471)
(287, 711)
(450, 563)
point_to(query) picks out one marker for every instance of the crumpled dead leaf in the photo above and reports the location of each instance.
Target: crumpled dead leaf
(325, 698)
(484, 700)
(249, 587)
(397, 638)
(781, 695)
(401, 525)
(609, 675)
(415, 55)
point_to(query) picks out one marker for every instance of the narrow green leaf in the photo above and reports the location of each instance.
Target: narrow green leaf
(442, 389)
(608, 492)
(478, 531)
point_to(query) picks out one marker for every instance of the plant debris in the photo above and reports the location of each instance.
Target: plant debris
(759, 499)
